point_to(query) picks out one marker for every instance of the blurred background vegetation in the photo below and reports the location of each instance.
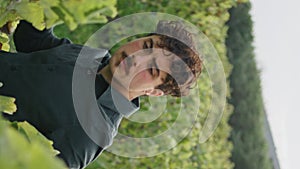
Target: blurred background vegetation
(238, 142)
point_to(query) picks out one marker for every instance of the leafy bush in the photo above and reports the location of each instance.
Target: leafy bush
(46, 13)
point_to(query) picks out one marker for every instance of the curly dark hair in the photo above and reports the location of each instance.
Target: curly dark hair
(177, 40)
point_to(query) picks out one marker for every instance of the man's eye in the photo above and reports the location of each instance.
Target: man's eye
(148, 44)
(151, 43)
(151, 71)
(145, 46)
(154, 72)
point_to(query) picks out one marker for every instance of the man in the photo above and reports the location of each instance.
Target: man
(39, 76)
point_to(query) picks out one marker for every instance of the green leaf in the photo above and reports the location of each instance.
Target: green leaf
(7, 104)
(65, 16)
(7, 15)
(3, 38)
(35, 136)
(32, 12)
(50, 17)
(110, 11)
(16, 152)
(5, 47)
(48, 3)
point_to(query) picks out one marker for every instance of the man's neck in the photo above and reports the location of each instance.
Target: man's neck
(130, 95)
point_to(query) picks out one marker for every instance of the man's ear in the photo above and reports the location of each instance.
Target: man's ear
(154, 92)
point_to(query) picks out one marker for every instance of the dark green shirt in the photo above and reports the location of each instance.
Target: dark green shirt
(39, 76)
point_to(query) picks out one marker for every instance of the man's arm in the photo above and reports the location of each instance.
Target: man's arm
(29, 39)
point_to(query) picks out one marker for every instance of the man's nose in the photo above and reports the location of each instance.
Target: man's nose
(130, 61)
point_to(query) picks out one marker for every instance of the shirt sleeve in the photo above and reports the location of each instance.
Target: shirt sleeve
(28, 39)
(77, 150)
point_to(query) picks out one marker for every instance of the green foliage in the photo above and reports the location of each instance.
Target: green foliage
(30, 152)
(34, 136)
(80, 35)
(247, 120)
(46, 13)
(4, 40)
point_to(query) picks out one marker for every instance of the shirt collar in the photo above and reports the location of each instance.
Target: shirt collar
(92, 59)
(115, 101)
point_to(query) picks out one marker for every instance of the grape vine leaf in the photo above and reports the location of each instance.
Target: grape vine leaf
(32, 12)
(7, 104)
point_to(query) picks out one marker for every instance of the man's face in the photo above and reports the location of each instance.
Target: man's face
(140, 65)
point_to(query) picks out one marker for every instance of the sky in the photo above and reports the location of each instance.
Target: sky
(277, 37)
